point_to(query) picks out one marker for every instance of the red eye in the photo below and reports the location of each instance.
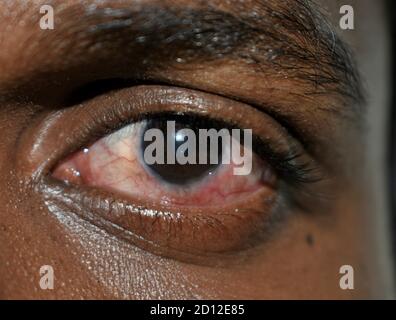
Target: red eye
(117, 163)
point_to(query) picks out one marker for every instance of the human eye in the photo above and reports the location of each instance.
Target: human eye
(186, 211)
(173, 159)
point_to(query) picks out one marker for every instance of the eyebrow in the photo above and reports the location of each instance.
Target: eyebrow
(289, 39)
(292, 39)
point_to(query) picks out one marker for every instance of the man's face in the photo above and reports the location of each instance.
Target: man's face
(77, 194)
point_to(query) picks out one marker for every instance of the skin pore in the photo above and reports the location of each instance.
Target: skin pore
(275, 66)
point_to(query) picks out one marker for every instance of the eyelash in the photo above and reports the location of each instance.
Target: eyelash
(288, 166)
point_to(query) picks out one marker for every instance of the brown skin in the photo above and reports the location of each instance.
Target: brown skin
(299, 258)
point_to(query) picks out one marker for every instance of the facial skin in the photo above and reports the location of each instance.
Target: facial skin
(274, 66)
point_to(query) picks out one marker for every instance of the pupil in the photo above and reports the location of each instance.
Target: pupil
(176, 173)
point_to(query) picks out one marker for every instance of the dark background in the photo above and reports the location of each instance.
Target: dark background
(392, 141)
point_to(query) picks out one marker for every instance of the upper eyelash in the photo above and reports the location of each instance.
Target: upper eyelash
(288, 166)
(295, 171)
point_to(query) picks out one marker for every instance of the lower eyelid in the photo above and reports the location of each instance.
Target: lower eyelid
(187, 236)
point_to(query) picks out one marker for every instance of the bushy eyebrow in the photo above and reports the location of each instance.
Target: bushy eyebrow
(291, 38)
(286, 40)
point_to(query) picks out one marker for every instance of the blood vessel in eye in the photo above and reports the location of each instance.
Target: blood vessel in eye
(116, 163)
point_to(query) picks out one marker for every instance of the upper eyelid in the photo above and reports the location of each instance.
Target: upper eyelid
(104, 86)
